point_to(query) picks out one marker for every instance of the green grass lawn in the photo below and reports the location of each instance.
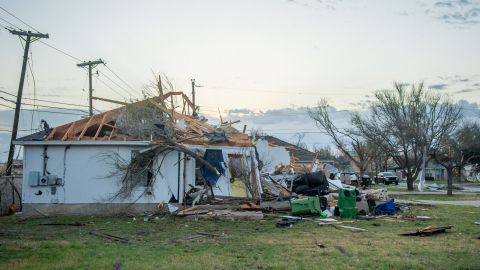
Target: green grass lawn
(389, 187)
(24, 244)
(439, 197)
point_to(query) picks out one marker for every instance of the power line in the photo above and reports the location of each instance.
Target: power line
(49, 101)
(116, 75)
(7, 106)
(44, 111)
(18, 19)
(71, 56)
(109, 87)
(44, 106)
(11, 24)
(119, 86)
(22, 130)
(61, 51)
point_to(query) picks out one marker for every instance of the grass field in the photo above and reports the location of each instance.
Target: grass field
(439, 197)
(25, 244)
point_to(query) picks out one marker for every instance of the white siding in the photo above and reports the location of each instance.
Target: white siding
(87, 174)
(272, 156)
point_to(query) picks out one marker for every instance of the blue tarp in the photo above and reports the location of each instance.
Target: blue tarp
(215, 158)
(387, 208)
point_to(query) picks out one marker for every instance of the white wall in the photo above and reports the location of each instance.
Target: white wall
(87, 175)
(272, 156)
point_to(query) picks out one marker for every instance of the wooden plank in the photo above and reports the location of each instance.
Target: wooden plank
(114, 128)
(50, 136)
(190, 104)
(169, 94)
(256, 195)
(65, 136)
(111, 100)
(87, 125)
(100, 127)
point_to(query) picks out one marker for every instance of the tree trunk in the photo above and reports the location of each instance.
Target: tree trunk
(450, 180)
(360, 179)
(409, 181)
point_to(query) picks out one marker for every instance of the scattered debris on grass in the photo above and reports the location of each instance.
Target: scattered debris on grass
(353, 229)
(430, 230)
(342, 250)
(117, 265)
(76, 223)
(198, 236)
(110, 237)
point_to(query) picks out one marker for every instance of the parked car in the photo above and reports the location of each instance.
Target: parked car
(354, 177)
(348, 177)
(387, 178)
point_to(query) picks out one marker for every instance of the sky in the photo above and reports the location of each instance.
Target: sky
(262, 62)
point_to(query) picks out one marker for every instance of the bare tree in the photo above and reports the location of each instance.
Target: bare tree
(459, 149)
(469, 138)
(348, 141)
(324, 152)
(298, 140)
(407, 123)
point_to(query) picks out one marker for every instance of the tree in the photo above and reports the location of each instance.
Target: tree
(469, 137)
(299, 140)
(348, 141)
(407, 123)
(449, 156)
(324, 152)
(458, 150)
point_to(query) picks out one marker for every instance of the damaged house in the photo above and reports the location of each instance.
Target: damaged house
(134, 157)
(274, 152)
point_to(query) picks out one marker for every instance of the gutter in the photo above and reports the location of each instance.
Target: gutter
(17, 142)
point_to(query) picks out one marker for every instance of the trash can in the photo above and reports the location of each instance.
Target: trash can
(347, 204)
(310, 205)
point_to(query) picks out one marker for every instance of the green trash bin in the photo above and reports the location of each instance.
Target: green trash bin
(347, 203)
(307, 206)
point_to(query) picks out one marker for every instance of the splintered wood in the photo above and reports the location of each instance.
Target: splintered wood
(189, 129)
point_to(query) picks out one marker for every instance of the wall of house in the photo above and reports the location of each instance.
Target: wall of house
(272, 156)
(86, 172)
(89, 183)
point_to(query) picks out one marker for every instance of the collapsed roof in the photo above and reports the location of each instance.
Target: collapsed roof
(150, 120)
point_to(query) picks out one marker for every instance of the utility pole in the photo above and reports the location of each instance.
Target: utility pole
(193, 98)
(91, 65)
(30, 37)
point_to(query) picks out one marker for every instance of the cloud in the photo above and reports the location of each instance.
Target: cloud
(318, 4)
(455, 12)
(456, 79)
(440, 86)
(468, 90)
(403, 13)
(239, 112)
(471, 110)
(444, 4)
